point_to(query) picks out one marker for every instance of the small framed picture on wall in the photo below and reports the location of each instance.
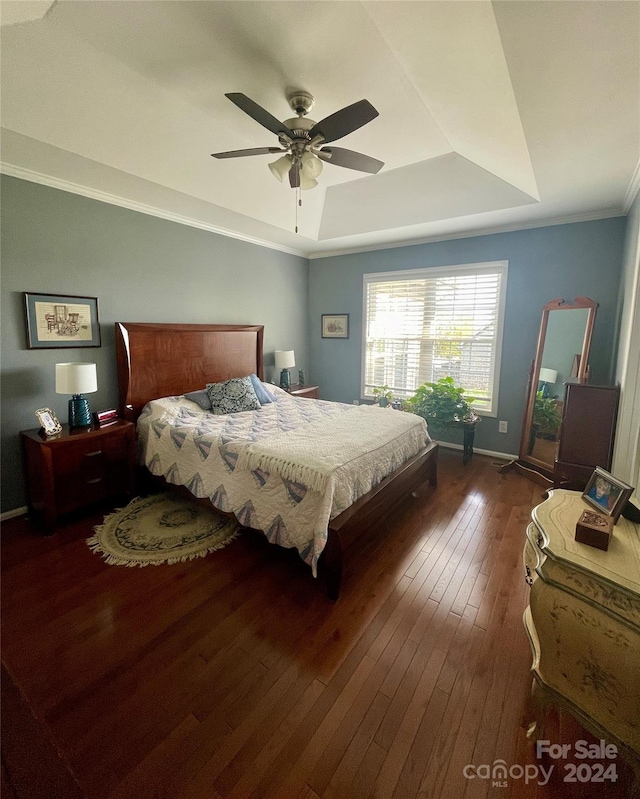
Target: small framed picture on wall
(60, 321)
(335, 325)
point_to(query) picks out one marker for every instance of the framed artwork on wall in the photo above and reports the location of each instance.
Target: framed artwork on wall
(335, 325)
(61, 321)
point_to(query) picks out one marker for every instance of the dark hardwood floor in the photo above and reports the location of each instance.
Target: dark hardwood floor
(234, 676)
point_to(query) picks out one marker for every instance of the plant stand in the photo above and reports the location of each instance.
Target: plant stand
(468, 435)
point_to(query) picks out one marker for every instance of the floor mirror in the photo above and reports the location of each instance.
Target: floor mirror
(562, 357)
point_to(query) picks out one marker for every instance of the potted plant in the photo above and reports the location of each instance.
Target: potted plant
(442, 404)
(383, 395)
(546, 418)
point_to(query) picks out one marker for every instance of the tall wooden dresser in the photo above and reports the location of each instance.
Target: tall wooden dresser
(583, 620)
(587, 432)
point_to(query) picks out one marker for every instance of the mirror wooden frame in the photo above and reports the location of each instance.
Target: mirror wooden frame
(531, 466)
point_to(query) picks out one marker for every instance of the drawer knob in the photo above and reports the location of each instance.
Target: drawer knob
(91, 454)
(95, 480)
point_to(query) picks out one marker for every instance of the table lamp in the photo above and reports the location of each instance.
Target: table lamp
(77, 379)
(285, 359)
(547, 376)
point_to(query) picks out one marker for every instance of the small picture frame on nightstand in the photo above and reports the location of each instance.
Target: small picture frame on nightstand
(48, 421)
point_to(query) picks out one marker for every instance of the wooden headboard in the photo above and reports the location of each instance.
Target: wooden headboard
(162, 360)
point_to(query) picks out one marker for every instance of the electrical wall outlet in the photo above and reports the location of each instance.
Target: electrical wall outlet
(503, 427)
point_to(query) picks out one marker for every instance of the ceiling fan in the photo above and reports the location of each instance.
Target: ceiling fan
(301, 139)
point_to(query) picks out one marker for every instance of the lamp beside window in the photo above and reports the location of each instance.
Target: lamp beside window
(285, 360)
(77, 379)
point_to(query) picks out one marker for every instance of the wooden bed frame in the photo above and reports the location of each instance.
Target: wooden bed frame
(163, 360)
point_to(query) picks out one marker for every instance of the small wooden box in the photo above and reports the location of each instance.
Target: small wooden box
(594, 529)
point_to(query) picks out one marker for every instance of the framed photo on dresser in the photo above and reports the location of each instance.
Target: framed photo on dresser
(606, 493)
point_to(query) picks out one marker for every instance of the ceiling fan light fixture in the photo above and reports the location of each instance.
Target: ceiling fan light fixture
(280, 168)
(310, 166)
(307, 183)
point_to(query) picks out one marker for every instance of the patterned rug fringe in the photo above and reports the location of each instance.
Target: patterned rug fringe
(100, 543)
(95, 545)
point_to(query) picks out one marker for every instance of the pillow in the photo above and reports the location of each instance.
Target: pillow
(262, 392)
(201, 398)
(233, 396)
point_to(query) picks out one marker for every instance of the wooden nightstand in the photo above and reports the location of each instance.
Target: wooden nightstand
(311, 392)
(76, 468)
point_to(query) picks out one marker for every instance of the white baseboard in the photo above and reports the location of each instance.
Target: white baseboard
(11, 514)
(504, 456)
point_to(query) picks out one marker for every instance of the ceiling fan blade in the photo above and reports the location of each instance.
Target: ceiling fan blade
(350, 159)
(344, 121)
(252, 151)
(258, 113)
(294, 176)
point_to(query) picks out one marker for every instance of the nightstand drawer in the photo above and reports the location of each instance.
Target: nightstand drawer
(90, 471)
(310, 392)
(78, 468)
(79, 475)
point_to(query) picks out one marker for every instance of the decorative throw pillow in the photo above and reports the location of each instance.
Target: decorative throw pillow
(233, 396)
(262, 392)
(201, 398)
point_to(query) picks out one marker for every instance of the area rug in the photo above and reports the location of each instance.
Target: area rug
(161, 528)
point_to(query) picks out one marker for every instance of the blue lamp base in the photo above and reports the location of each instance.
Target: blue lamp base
(79, 411)
(285, 379)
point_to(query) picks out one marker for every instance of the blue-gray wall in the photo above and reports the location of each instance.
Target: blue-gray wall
(141, 269)
(581, 259)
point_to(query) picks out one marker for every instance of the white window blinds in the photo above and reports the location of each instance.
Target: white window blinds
(425, 324)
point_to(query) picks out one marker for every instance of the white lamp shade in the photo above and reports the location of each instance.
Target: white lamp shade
(305, 183)
(76, 378)
(285, 359)
(547, 375)
(280, 167)
(311, 166)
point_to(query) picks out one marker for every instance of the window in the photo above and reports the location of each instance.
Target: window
(424, 324)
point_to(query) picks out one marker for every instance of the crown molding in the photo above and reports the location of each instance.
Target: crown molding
(132, 205)
(632, 191)
(470, 234)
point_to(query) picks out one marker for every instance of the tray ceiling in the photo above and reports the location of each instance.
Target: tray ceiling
(492, 115)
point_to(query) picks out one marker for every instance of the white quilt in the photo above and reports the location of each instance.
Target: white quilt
(285, 469)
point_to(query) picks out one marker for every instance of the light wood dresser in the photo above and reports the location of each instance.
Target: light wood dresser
(583, 621)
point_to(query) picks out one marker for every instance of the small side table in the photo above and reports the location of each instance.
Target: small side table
(468, 435)
(310, 392)
(76, 468)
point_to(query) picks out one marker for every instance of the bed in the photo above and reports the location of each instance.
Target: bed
(253, 464)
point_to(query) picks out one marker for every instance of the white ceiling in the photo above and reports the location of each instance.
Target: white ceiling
(492, 115)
